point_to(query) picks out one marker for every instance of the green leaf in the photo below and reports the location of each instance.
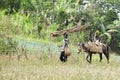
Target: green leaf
(112, 30)
(108, 37)
(102, 28)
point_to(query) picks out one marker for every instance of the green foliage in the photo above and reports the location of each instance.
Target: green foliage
(7, 45)
(38, 18)
(6, 26)
(61, 17)
(2, 45)
(110, 16)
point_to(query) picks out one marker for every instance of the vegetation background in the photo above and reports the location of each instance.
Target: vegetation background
(36, 19)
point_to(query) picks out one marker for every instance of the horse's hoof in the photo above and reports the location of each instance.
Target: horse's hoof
(88, 61)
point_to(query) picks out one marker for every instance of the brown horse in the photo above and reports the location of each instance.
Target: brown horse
(93, 48)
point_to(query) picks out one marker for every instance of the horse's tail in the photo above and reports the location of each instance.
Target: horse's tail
(108, 51)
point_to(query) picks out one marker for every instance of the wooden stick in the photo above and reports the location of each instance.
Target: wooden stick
(71, 30)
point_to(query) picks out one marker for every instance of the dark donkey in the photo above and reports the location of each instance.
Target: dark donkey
(94, 48)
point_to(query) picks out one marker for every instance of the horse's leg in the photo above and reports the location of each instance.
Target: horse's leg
(100, 57)
(107, 56)
(90, 57)
(87, 57)
(106, 53)
(89, 54)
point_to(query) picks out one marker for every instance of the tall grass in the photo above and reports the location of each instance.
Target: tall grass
(48, 67)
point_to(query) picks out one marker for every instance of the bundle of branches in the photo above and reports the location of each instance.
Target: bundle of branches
(71, 30)
(94, 46)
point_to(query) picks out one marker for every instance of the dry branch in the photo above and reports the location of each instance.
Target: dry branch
(71, 30)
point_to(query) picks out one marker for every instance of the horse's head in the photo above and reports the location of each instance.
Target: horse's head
(80, 47)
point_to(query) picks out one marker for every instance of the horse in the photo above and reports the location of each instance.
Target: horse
(94, 48)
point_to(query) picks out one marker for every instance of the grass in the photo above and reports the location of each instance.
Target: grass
(46, 67)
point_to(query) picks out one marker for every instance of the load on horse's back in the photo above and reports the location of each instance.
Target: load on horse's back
(94, 47)
(65, 52)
